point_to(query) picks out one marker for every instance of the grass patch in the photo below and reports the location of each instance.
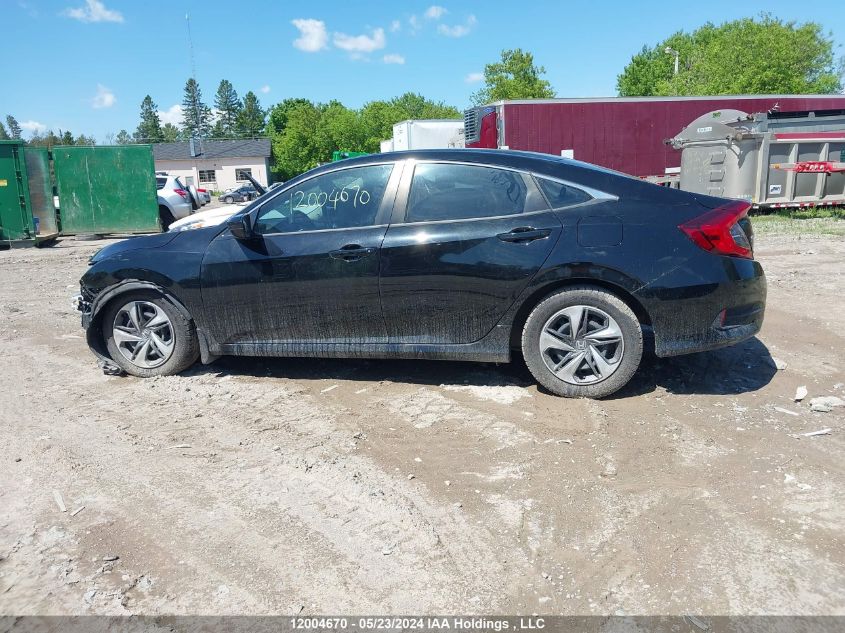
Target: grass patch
(809, 221)
(806, 213)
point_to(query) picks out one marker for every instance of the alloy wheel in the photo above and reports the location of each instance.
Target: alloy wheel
(143, 334)
(582, 345)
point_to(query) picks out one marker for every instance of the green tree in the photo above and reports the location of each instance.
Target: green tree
(48, 139)
(762, 55)
(85, 140)
(170, 133)
(514, 77)
(378, 117)
(149, 129)
(123, 138)
(196, 114)
(228, 108)
(14, 127)
(66, 138)
(277, 119)
(4, 135)
(252, 119)
(296, 149)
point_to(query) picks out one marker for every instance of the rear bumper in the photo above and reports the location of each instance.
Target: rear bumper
(706, 316)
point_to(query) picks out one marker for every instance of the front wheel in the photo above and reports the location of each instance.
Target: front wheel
(582, 342)
(146, 335)
(228, 199)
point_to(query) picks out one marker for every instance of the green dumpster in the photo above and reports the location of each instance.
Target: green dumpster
(16, 223)
(106, 189)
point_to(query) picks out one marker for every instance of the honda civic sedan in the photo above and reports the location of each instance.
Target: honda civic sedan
(439, 254)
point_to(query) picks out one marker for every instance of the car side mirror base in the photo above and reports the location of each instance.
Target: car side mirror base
(240, 227)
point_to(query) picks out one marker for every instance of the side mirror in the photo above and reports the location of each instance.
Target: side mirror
(240, 227)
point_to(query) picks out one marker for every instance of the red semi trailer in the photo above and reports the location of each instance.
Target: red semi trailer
(622, 133)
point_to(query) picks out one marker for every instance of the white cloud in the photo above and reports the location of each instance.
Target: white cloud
(93, 11)
(474, 78)
(395, 26)
(361, 43)
(458, 30)
(414, 22)
(393, 58)
(435, 12)
(265, 89)
(33, 126)
(104, 98)
(171, 115)
(313, 36)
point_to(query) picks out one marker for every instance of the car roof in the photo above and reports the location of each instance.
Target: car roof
(566, 169)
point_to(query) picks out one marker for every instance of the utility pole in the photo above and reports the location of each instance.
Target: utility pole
(671, 51)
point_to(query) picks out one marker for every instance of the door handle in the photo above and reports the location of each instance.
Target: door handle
(524, 234)
(352, 252)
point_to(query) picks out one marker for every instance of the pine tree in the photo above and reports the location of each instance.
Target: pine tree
(228, 108)
(252, 119)
(66, 138)
(14, 127)
(149, 129)
(123, 138)
(170, 133)
(197, 115)
(4, 135)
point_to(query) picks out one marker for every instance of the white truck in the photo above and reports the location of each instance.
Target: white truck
(425, 134)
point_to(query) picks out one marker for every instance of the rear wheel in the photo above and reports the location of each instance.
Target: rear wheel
(146, 335)
(582, 342)
(165, 217)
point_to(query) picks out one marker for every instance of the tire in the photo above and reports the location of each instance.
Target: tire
(228, 199)
(165, 218)
(602, 357)
(182, 337)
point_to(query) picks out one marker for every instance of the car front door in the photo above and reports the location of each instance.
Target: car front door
(310, 272)
(468, 241)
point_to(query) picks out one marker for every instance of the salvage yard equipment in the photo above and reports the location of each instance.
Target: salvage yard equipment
(106, 189)
(27, 214)
(622, 133)
(774, 159)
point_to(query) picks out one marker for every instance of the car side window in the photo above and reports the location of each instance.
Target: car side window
(560, 195)
(337, 200)
(446, 191)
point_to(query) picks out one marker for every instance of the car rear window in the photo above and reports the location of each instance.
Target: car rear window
(561, 195)
(160, 182)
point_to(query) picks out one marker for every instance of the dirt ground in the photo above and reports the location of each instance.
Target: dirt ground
(307, 486)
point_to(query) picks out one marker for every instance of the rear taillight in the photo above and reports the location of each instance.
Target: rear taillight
(201, 190)
(719, 231)
(182, 193)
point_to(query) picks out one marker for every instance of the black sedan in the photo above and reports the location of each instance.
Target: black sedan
(439, 254)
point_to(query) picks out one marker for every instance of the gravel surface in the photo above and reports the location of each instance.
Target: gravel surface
(305, 486)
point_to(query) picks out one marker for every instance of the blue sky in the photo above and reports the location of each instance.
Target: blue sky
(87, 64)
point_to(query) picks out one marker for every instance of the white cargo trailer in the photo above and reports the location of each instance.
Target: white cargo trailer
(771, 159)
(428, 134)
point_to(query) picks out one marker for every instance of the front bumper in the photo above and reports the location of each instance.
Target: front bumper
(83, 306)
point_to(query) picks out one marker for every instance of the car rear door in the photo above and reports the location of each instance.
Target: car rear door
(465, 241)
(310, 275)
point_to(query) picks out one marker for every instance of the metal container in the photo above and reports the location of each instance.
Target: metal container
(428, 134)
(770, 159)
(622, 133)
(109, 189)
(16, 222)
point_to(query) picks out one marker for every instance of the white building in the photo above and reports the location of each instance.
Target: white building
(215, 165)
